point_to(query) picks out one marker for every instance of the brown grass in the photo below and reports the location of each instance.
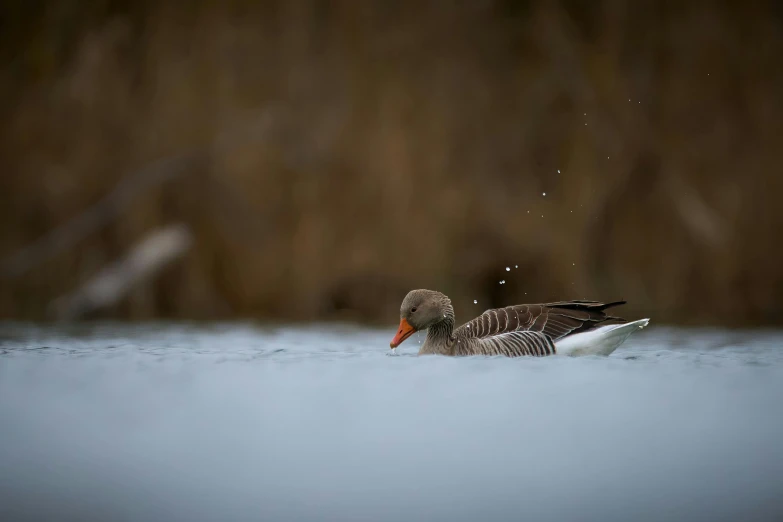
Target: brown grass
(355, 150)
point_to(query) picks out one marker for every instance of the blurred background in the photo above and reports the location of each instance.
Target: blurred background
(303, 161)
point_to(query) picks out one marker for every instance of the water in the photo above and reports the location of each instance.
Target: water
(243, 422)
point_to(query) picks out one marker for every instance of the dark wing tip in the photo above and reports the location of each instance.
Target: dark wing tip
(613, 304)
(583, 304)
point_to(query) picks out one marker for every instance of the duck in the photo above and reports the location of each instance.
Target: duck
(573, 328)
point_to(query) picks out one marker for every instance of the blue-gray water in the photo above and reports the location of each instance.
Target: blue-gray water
(242, 422)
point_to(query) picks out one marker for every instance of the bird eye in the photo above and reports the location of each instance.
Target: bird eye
(413, 309)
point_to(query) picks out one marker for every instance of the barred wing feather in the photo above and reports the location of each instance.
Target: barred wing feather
(554, 320)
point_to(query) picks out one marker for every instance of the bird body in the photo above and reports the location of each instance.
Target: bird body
(566, 327)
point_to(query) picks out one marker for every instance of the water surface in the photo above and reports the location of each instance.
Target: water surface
(247, 422)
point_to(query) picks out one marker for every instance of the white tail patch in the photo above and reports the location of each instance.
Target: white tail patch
(601, 341)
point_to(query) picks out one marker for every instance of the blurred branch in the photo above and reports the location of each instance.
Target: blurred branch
(91, 220)
(124, 193)
(111, 284)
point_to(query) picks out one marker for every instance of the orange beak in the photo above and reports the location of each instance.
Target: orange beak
(405, 331)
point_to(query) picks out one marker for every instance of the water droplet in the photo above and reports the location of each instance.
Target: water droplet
(558, 171)
(585, 114)
(574, 264)
(516, 266)
(468, 326)
(508, 269)
(475, 301)
(543, 194)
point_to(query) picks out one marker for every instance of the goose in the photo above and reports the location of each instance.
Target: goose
(578, 327)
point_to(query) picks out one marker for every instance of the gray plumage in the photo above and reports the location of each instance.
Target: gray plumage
(513, 331)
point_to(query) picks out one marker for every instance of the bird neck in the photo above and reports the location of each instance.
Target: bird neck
(440, 335)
